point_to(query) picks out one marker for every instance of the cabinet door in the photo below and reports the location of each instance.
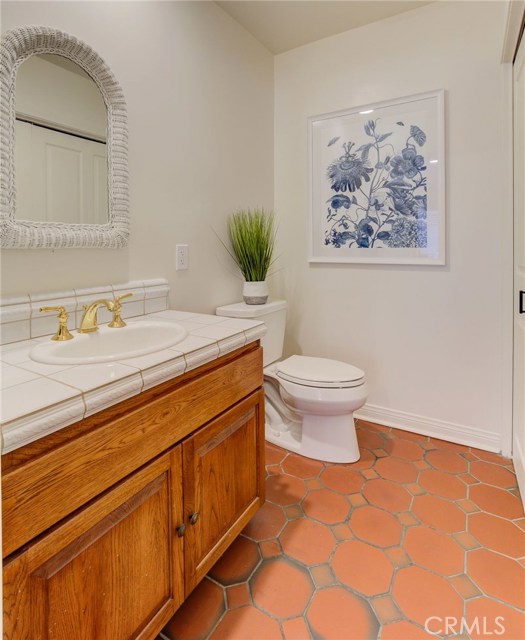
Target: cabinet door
(223, 483)
(112, 571)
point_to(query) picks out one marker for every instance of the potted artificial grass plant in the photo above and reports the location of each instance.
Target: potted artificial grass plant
(252, 238)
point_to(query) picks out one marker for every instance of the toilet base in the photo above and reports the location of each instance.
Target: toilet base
(304, 438)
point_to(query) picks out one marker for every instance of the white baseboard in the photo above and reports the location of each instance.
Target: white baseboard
(518, 458)
(469, 436)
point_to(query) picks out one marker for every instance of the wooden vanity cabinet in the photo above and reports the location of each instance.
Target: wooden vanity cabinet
(119, 565)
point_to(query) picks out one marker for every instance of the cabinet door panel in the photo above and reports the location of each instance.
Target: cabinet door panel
(223, 483)
(114, 570)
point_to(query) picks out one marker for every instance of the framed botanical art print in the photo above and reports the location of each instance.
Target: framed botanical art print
(377, 183)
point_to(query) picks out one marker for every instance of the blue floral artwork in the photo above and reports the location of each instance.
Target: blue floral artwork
(379, 192)
(372, 180)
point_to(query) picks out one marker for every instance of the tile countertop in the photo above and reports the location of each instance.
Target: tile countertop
(38, 399)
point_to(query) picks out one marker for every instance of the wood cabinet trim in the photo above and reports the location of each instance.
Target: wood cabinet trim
(224, 433)
(59, 561)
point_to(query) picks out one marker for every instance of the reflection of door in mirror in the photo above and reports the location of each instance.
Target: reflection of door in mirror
(60, 152)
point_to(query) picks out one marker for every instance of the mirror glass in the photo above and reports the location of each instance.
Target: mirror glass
(60, 143)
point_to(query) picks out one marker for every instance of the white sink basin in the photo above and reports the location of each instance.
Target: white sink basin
(106, 345)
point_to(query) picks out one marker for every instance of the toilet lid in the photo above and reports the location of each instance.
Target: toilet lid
(319, 372)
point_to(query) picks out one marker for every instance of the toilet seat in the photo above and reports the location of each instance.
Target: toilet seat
(319, 372)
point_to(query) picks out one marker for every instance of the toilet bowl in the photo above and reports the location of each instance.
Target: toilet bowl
(310, 401)
(310, 404)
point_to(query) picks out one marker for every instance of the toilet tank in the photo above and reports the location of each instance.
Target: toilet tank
(273, 314)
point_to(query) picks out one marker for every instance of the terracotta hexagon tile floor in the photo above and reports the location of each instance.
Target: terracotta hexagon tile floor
(417, 531)
(362, 567)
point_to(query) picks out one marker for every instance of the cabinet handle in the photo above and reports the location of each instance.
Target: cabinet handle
(522, 302)
(194, 517)
(181, 530)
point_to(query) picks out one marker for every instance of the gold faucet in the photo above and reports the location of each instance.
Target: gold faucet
(89, 323)
(62, 332)
(89, 319)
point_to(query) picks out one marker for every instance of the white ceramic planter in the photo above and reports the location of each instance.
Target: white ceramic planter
(255, 292)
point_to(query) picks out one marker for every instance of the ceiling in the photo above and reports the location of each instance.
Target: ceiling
(281, 25)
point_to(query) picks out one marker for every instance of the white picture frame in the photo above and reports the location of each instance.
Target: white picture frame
(377, 183)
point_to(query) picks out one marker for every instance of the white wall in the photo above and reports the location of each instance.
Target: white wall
(199, 91)
(433, 341)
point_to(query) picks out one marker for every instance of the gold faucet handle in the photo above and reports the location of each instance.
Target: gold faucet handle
(62, 332)
(119, 298)
(117, 322)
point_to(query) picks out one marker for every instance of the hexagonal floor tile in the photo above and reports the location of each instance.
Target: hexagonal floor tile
(326, 506)
(281, 588)
(488, 618)
(307, 541)
(342, 479)
(246, 623)
(274, 455)
(496, 501)
(442, 484)
(337, 613)
(439, 513)
(396, 470)
(449, 446)
(199, 613)
(369, 439)
(422, 595)
(407, 435)
(489, 456)
(497, 576)
(446, 461)
(404, 449)
(362, 567)
(387, 495)
(376, 526)
(493, 474)
(266, 523)
(284, 490)
(434, 550)
(237, 563)
(301, 467)
(497, 534)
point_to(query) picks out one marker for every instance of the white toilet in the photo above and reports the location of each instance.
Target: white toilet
(309, 401)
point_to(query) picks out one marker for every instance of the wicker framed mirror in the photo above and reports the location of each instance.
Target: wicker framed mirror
(17, 46)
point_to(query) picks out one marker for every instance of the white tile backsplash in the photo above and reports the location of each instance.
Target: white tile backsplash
(154, 305)
(15, 331)
(132, 308)
(21, 318)
(159, 291)
(14, 312)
